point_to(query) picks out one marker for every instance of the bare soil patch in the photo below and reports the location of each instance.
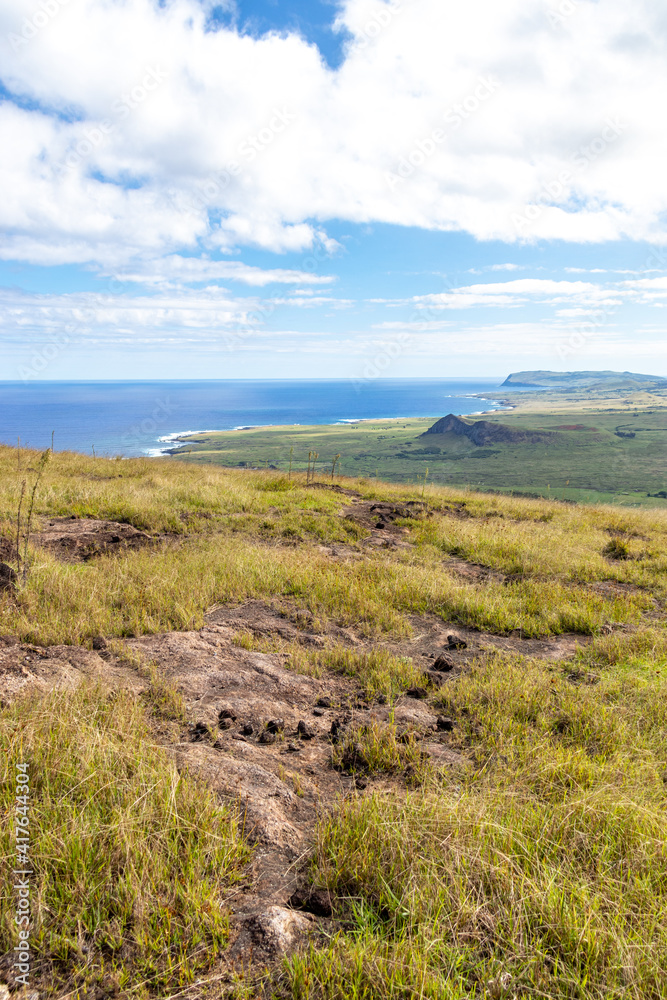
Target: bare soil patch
(74, 539)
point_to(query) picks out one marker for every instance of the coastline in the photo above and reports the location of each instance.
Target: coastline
(181, 439)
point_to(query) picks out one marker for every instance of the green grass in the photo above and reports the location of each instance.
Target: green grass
(132, 859)
(538, 870)
(244, 540)
(543, 869)
(377, 671)
(584, 460)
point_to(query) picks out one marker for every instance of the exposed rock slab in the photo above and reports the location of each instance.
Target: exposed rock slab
(75, 539)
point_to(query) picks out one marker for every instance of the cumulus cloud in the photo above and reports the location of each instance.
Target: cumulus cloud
(137, 129)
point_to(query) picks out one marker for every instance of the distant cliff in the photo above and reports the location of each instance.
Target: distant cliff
(483, 432)
(585, 380)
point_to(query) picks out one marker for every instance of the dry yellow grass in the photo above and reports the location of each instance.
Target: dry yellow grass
(538, 871)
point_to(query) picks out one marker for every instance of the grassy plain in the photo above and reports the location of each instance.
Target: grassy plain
(602, 450)
(538, 871)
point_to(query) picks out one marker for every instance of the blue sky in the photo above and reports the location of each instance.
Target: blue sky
(386, 187)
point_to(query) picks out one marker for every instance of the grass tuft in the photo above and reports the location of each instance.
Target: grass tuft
(131, 858)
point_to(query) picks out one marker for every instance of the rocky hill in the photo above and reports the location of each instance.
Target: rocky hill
(485, 432)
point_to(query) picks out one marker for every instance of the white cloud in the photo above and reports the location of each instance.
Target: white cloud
(177, 271)
(519, 292)
(143, 133)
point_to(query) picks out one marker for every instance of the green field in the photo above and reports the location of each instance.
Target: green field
(590, 456)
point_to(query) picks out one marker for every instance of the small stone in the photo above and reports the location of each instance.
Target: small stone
(324, 702)
(445, 724)
(317, 901)
(456, 642)
(318, 712)
(99, 642)
(275, 725)
(293, 748)
(304, 730)
(336, 729)
(267, 737)
(224, 723)
(200, 732)
(417, 692)
(444, 664)
(360, 783)
(247, 729)
(227, 713)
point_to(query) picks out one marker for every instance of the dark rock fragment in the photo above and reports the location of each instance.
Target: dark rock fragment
(226, 713)
(323, 702)
(199, 733)
(417, 692)
(456, 642)
(317, 901)
(275, 725)
(304, 730)
(247, 730)
(445, 724)
(335, 733)
(99, 642)
(7, 577)
(224, 723)
(267, 737)
(444, 663)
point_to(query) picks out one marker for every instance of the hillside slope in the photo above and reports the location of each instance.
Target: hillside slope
(584, 380)
(411, 738)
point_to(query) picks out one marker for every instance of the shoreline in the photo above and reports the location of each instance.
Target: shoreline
(180, 438)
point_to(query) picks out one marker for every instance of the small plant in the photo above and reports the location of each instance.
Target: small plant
(377, 749)
(310, 471)
(23, 529)
(244, 639)
(616, 549)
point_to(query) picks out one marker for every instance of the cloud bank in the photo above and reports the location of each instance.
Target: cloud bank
(133, 131)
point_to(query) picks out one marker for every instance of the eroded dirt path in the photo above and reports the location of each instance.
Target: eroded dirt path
(260, 734)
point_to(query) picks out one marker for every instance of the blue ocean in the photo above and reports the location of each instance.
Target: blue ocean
(142, 418)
